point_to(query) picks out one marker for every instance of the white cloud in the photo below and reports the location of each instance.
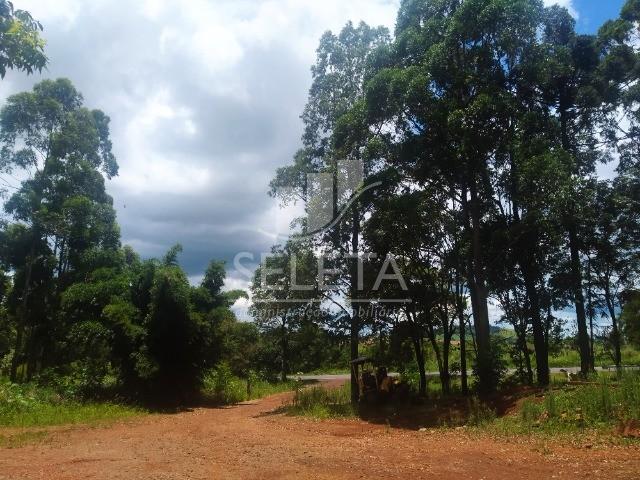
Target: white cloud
(63, 12)
(204, 97)
(149, 171)
(568, 4)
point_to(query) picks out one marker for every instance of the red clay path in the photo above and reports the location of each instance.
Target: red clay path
(250, 441)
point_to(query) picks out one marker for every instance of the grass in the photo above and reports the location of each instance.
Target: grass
(567, 357)
(68, 413)
(566, 411)
(263, 388)
(600, 406)
(32, 406)
(322, 403)
(224, 388)
(329, 371)
(571, 357)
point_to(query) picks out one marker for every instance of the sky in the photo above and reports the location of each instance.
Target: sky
(593, 13)
(204, 98)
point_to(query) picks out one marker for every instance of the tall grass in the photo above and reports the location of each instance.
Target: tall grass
(30, 406)
(602, 405)
(571, 358)
(223, 387)
(479, 413)
(322, 402)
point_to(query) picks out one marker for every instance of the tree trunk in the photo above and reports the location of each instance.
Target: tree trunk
(576, 269)
(32, 357)
(530, 270)
(524, 349)
(615, 333)
(460, 307)
(586, 365)
(477, 285)
(463, 355)
(416, 338)
(284, 351)
(355, 313)
(539, 338)
(22, 319)
(527, 362)
(445, 374)
(444, 383)
(590, 311)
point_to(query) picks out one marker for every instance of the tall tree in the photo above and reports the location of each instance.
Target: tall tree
(572, 91)
(64, 150)
(339, 75)
(448, 91)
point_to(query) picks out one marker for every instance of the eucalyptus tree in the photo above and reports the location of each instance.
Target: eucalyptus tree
(344, 62)
(64, 151)
(574, 93)
(452, 89)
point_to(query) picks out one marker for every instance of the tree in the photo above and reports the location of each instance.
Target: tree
(573, 92)
(21, 47)
(610, 264)
(171, 345)
(449, 90)
(64, 150)
(343, 64)
(417, 229)
(101, 329)
(285, 291)
(616, 225)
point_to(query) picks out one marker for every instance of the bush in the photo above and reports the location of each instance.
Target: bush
(223, 387)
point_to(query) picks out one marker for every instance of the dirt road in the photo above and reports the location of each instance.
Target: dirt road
(250, 441)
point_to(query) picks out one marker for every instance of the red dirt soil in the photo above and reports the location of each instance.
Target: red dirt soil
(253, 441)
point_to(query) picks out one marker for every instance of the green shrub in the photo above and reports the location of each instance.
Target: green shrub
(223, 387)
